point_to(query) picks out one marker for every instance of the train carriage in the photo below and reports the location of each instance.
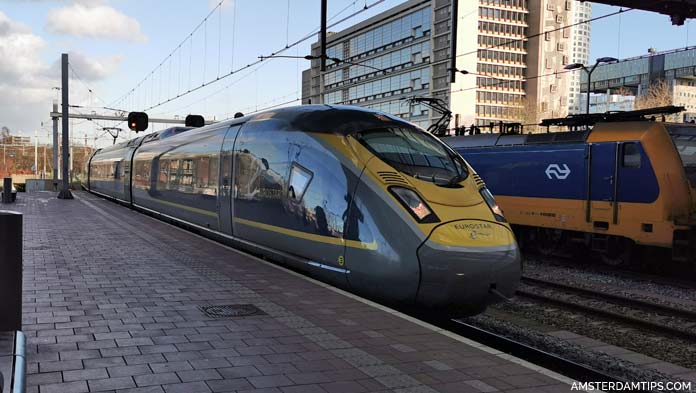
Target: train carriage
(610, 188)
(358, 198)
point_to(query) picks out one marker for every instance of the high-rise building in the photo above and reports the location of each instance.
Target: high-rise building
(386, 58)
(492, 50)
(549, 52)
(580, 53)
(476, 58)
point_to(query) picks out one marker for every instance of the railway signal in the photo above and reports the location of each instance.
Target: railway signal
(137, 121)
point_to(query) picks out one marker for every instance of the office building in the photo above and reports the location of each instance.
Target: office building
(398, 41)
(476, 58)
(580, 53)
(672, 72)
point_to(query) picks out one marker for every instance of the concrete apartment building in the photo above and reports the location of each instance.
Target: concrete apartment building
(419, 42)
(579, 53)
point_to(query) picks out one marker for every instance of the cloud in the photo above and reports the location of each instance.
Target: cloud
(95, 20)
(8, 26)
(26, 80)
(225, 4)
(19, 52)
(88, 69)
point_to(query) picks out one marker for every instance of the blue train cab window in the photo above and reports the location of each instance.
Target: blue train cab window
(630, 155)
(299, 181)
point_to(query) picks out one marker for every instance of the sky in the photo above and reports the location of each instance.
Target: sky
(115, 44)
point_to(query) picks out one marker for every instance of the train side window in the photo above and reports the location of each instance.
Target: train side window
(298, 182)
(630, 157)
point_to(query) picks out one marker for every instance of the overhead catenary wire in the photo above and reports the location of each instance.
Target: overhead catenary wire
(308, 36)
(234, 28)
(219, 39)
(142, 97)
(528, 78)
(226, 87)
(273, 106)
(77, 76)
(511, 41)
(198, 26)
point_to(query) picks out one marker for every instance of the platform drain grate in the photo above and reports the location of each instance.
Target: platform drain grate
(231, 310)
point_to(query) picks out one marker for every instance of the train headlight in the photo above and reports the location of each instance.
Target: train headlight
(414, 204)
(490, 201)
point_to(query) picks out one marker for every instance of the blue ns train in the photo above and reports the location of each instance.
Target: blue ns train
(357, 198)
(608, 189)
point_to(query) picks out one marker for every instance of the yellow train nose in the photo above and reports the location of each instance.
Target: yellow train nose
(464, 263)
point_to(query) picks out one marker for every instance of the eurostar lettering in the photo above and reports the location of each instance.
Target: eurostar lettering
(469, 227)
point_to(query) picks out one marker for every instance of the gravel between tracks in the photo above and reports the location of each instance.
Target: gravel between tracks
(609, 282)
(600, 361)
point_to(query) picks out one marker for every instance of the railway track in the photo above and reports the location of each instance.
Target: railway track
(563, 366)
(665, 279)
(640, 313)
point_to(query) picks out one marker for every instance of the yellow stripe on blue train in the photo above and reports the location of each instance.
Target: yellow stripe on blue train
(609, 188)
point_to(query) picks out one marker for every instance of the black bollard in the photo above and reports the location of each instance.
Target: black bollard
(10, 270)
(7, 190)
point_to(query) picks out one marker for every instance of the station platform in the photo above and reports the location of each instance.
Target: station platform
(115, 300)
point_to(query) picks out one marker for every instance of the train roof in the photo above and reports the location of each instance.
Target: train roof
(331, 119)
(620, 129)
(495, 139)
(324, 118)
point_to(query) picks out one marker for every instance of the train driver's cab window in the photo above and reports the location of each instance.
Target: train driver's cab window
(631, 155)
(416, 154)
(298, 182)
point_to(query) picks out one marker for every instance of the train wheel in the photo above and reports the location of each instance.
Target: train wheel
(620, 253)
(547, 242)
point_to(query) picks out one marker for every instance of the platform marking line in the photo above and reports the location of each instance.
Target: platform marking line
(454, 336)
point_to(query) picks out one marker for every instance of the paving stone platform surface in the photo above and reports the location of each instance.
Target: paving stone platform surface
(112, 302)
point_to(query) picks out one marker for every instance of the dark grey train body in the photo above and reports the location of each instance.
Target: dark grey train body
(316, 187)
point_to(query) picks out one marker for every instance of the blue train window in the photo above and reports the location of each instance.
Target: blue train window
(630, 156)
(299, 180)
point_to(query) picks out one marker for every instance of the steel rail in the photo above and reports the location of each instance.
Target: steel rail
(558, 364)
(668, 311)
(626, 319)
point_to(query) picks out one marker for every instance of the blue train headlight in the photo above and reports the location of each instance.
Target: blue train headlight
(414, 204)
(490, 201)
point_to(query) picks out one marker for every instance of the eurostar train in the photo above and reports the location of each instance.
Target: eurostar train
(619, 185)
(360, 199)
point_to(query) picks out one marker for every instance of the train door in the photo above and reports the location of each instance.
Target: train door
(226, 199)
(602, 184)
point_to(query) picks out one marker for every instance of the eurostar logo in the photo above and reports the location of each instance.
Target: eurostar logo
(555, 171)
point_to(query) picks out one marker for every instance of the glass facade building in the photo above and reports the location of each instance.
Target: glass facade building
(677, 68)
(407, 51)
(384, 60)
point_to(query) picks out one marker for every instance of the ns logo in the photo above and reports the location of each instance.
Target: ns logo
(555, 171)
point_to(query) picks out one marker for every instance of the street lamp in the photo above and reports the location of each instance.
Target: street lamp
(601, 60)
(463, 72)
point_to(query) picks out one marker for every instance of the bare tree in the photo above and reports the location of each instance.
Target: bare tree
(623, 91)
(658, 94)
(527, 113)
